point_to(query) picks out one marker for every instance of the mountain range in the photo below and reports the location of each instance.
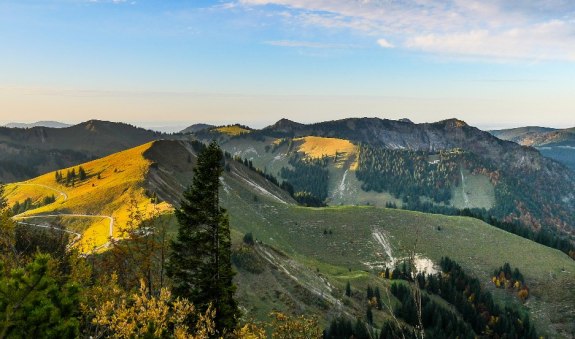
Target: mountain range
(303, 257)
(50, 124)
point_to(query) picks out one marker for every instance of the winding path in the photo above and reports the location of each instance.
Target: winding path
(72, 215)
(65, 197)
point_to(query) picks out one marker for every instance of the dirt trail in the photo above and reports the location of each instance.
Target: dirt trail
(111, 225)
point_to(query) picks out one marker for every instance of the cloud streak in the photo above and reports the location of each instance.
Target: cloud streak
(488, 29)
(307, 44)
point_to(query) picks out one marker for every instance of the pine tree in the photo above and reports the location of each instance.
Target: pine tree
(377, 295)
(33, 304)
(369, 315)
(82, 173)
(348, 289)
(200, 261)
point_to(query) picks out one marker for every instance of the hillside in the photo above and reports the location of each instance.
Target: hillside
(98, 206)
(430, 166)
(305, 256)
(552, 143)
(27, 153)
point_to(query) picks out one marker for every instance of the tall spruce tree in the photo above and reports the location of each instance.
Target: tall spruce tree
(200, 261)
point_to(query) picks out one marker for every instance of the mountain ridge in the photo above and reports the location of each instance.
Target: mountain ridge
(50, 124)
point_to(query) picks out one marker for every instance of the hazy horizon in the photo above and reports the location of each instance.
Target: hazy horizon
(490, 63)
(175, 126)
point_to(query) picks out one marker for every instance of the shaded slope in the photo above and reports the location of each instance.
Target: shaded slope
(26, 153)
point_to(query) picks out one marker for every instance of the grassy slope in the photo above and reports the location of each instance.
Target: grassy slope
(342, 256)
(122, 178)
(344, 188)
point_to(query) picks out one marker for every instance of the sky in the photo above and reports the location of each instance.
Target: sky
(494, 64)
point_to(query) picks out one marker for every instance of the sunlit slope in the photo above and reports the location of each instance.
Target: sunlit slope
(232, 130)
(112, 183)
(342, 151)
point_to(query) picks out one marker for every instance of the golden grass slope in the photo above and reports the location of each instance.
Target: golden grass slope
(113, 182)
(232, 130)
(317, 147)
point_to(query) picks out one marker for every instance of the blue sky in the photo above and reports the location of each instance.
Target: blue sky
(491, 63)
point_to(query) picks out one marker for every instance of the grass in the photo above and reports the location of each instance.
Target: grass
(477, 246)
(478, 190)
(112, 183)
(232, 130)
(318, 147)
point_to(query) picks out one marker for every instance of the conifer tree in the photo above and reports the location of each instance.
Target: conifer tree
(348, 289)
(200, 261)
(82, 173)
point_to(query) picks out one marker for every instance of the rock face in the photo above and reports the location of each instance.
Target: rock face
(432, 137)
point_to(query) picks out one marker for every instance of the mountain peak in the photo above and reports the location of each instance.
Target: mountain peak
(453, 123)
(285, 125)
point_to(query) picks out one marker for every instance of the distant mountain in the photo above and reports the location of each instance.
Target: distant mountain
(429, 166)
(50, 124)
(26, 153)
(196, 128)
(522, 135)
(557, 144)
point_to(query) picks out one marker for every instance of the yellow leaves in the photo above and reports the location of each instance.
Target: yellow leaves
(285, 327)
(250, 331)
(372, 302)
(139, 314)
(523, 294)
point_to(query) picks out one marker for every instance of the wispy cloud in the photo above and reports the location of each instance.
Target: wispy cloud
(384, 43)
(499, 29)
(307, 44)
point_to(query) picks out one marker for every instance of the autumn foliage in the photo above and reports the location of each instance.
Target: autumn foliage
(505, 278)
